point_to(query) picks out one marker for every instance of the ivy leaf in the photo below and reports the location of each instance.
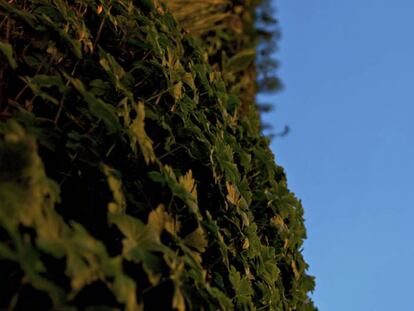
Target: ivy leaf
(240, 202)
(125, 290)
(141, 241)
(188, 78)
(7, 50)
(132, 228)
(197, 240)
(97, 107)
(75, 44)
(115, 72)
(49, 81)
(82, 251)
(159, 220)
(177, 91)
(224, 301)
(138, 134)
(36, 83)
(99, 87)
(233, 194)
(115, 184)
(7, 253)
(178, 302)
(241, 286)
(278, 222)
(188, 182)
(157, 177)
(185, 188)
(139, 237)
(225, 159)
(241, 60)
(295, 270)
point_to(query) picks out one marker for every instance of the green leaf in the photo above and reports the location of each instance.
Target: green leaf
(138, 134)
(75, 44)
(82, 251)
(114, 179)
(7, 253)
(115, 72)
(185, 188)
(140, 238)
(39, 82)
(97, 107)
(131, 227)
(241, 60)
(224, 301)
(125, 290)
(213, 228)
(7, 50)
(197, 240)
(99, 87)
(157, 177)
(188, 183)
(48, 81)
(188, 78)
(241, 286)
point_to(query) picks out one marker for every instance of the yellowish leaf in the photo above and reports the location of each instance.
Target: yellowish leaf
(178, 302)
(278, 222)
(188, 183)
(172, 226)
(233, 195)
(99, 9)
(197, 239)
(159, 220)
(246, 244)
(115, 184)
(139, 135)
(177, 91)
(189, 80)
(295, 270)
(249, 274)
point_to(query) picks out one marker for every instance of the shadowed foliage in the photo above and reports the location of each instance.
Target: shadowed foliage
(132, 170)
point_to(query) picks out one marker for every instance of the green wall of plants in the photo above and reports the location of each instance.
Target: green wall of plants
(133, 175)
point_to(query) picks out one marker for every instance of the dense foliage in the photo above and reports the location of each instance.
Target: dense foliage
(132, 170)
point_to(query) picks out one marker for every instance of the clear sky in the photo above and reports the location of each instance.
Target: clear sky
(348, 70)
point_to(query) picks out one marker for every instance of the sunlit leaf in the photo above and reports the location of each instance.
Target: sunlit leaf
(115, 184)
(241, 60)
(177, 91)
(139, 135)
(178, 302)
(159, 220)
(197, 240)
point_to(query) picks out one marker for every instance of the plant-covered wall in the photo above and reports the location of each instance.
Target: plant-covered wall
(133, 175)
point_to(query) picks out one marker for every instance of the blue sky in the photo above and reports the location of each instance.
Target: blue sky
(348, 70)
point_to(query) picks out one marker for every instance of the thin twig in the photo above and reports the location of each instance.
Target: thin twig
(100, 30)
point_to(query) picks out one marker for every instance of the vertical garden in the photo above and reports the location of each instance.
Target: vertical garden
(133, 172)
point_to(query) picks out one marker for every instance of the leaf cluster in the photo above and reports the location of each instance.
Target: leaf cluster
(130, 176)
